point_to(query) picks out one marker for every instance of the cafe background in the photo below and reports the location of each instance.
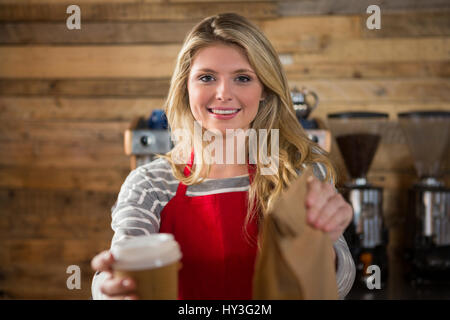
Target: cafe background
(67, 96)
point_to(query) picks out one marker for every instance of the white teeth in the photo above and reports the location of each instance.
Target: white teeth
(217, 111)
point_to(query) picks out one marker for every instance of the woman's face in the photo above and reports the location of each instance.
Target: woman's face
(224, 91)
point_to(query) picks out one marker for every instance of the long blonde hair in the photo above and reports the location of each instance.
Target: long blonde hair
(276, 111)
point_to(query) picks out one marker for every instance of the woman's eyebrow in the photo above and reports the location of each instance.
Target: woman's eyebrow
(212, 71)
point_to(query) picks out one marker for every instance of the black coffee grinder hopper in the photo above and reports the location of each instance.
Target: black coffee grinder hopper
(358, 135)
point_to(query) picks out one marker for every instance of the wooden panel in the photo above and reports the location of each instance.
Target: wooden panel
(392, 108)
(395, 206)
(87, 62)
(66, 2)
(94, 179)
(116, 109)
(41, 214)
(410, 24)
(64, 155)
(316, 7)
(63, 131)
(42, 281)
(309, 34)
(361, 70)
(134, 11)
(379, 50)
(159, 60)
(330, 7)
(92, 88)
(393, 157)
(36, 268)
(95, 33)
(362, 90)
(67, 251)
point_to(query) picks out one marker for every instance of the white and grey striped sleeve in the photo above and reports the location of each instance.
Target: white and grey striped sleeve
(346, 270)
(137, 210)
(142, 197)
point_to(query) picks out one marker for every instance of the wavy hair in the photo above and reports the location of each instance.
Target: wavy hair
(275, 112)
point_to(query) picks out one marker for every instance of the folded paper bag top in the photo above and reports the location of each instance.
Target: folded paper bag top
(295, 261)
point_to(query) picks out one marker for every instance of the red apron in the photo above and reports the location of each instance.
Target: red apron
(218, 259)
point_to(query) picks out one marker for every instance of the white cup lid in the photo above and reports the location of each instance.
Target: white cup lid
(146, 252)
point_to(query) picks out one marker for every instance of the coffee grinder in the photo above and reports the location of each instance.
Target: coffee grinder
(358, 135)
(428, 247)
(147, 137)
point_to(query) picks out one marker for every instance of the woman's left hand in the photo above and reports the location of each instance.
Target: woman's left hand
(326, 209)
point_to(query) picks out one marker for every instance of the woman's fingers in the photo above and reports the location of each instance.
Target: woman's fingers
(329, 211)
(326, 209)
(338, 221)
(118, 287)
(313, 193)
(103, 261)
(113, 288)
(317, 196)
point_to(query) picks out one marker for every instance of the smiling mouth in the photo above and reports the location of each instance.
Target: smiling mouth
(223, 111)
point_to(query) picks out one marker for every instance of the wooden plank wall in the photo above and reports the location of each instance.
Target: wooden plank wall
(68, 95)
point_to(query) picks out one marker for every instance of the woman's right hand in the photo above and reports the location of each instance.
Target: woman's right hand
(113, 288)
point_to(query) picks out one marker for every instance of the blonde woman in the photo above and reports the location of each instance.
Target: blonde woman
(228, 78)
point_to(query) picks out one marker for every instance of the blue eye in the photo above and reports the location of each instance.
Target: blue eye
(244, 79)
(205, 76)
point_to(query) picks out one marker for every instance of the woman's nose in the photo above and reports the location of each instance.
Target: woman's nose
(224, 91)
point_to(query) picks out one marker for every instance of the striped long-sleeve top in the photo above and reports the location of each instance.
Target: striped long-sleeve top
(148, 188)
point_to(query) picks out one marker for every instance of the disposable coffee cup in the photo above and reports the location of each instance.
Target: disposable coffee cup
(153, 262)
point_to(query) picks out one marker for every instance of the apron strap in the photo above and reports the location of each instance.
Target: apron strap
(181, 190)
(251, 171)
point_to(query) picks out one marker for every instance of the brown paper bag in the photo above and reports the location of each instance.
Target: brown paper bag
(295, 261)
